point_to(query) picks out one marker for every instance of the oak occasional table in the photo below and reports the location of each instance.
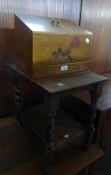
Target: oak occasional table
(55, 128)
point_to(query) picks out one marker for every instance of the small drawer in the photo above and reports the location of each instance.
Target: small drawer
(60, 69)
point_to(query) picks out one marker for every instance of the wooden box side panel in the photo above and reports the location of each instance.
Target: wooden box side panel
(23, 41)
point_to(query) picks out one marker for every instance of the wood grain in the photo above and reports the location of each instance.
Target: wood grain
(65, 9)
(96, 17)
(43, 48)
(103, 120)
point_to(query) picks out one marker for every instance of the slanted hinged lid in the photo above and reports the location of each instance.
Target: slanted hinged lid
(43, 25)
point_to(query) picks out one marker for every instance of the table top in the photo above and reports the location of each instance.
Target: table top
(104, 101)
(70, 82)
(64, 83)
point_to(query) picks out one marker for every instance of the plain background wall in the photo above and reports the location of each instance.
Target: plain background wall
(96, 17)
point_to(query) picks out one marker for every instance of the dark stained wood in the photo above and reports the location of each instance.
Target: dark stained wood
(24, 156)
(48, 130)
(104, 102)
(96, 17)
(103, 123)
(71, 82)
(66, 130)
(64, 83)
(64, 9)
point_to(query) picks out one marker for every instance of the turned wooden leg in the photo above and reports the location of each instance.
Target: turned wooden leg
(94, 94)
(17, 99)
(49, 158)
(53, 102)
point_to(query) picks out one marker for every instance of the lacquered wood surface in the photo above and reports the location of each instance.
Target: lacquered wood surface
(64, 9)
(44, 48)
(51, 25)
(96, 17)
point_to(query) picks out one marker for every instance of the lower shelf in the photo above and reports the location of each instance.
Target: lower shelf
(67, 130)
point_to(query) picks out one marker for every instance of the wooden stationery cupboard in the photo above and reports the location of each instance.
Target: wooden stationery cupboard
(49, 46)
